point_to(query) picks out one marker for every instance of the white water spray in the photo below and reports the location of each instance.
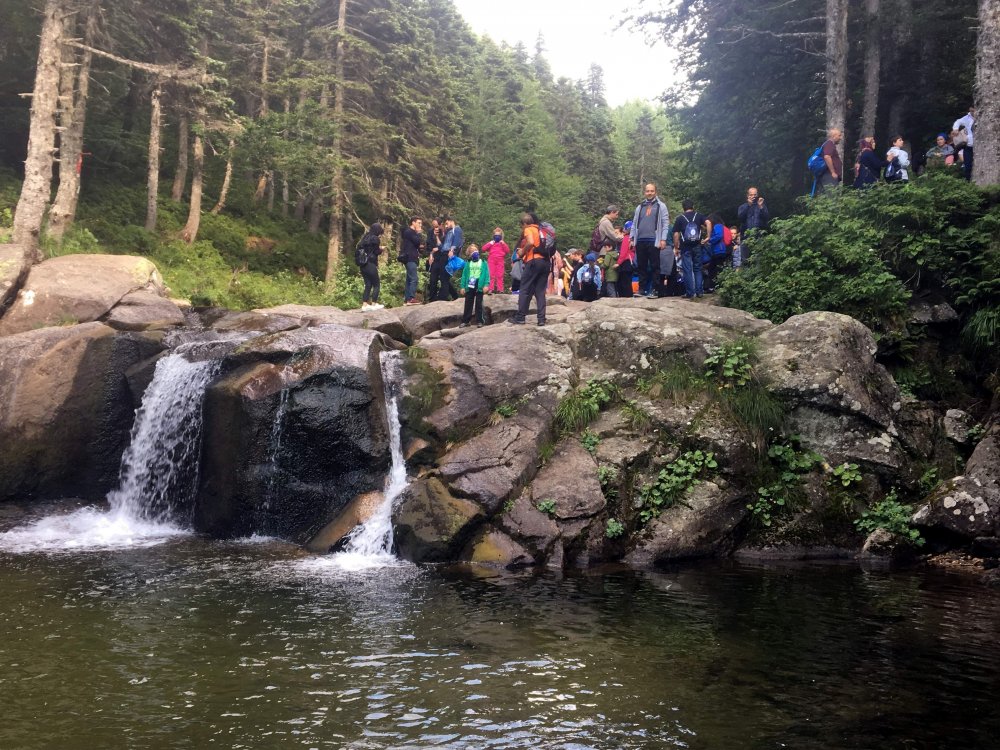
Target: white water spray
(370, 544)
(159, 473)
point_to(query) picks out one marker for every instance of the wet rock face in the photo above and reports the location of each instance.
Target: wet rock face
(294, 430)
(431, 525)
(66, 409)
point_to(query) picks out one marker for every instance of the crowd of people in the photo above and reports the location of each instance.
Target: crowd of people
(951, 150)
(646, 256)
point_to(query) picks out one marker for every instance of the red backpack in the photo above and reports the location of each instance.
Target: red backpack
(727, 236)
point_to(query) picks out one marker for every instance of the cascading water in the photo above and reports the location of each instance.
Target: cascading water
(370, 544)
(159, 472)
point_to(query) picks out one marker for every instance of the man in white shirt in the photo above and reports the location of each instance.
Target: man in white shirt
(967, 124)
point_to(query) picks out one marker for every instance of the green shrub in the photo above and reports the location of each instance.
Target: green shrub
(581, 407)
(891, 515)
(614, 528)
(673, 481)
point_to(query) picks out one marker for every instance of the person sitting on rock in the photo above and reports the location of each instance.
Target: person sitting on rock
(588, 279)
(475, 280)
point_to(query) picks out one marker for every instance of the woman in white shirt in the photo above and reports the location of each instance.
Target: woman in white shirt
(897, 152)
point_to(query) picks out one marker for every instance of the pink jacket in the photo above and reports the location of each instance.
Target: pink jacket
(496, 252)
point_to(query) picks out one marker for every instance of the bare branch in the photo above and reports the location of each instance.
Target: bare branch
(186, 76)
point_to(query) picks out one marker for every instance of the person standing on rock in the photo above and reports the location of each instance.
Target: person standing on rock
(451, 246)
(435, 259)
(475, 281)
(650, 231)
(689, 240)
(753, 214)
(413, 241)
(366, 256)
(496, 252)
(535, 276)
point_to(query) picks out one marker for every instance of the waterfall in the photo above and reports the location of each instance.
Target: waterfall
(158, 475)
(370, 544)
(159, 471)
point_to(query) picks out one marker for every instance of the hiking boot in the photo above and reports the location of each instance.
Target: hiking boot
(515, 322)
(463, 325)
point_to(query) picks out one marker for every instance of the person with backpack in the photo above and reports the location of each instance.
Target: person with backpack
(413, 241)
(605, 230)
(588, 279)
(688, 244)
(451, 247)
(475, 280)
(869, 166)
(366, 256)
(897, 160)
(516, 271)
(965, 126)
(496, 252)
(668, 264)
(833, 175)
(535, 276)
(650, 230)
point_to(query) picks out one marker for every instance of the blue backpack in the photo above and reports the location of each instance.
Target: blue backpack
(816, 163)
(454, 264)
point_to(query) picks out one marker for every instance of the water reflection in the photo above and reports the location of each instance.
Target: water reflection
(255, 645)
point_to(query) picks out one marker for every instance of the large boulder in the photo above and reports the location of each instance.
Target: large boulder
(639, 336)
(78, 289)
(704, 524)
(841, 401)
(144, 311)
(13, 271)
(431, 525)
(66, 409)
(486, 367)
(295, 429)
(384, 321)
(496, 464)
(967, 507)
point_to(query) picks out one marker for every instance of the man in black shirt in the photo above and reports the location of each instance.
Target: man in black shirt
(688, 244)
(413, 241)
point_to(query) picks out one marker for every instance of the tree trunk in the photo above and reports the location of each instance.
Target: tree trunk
(226, 181)
(180, 176)
(284, 175)
(63, 211)
(37, 188)
(902, 37)
(387, 243)
(190, 231)
(300, 206)
(348, 201)
(153, 171)
(333, 249)
(873, 65)
(836, 65)
(316, 212)
(986, 166)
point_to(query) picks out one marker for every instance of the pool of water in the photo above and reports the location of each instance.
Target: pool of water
(197, 644)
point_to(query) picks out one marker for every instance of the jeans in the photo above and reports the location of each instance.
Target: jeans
(369, 272)
(533, 283)
(411, 281)
(647, 260)
(691, 266)
(967, 162)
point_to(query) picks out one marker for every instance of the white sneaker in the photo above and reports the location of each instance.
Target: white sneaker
(377, 306)
(365, 307)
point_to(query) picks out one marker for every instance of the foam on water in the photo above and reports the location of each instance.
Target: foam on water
(88, 529)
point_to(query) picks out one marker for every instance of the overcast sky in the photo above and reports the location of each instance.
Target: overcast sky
(577, 33)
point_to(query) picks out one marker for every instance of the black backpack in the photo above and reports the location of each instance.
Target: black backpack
(692, 231)
(893, 172)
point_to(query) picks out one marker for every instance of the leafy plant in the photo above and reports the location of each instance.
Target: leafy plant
(975, 433)
(503, 411)
(608, 476)
(590, 441)
(768, 502)
(673, 481)
(730, 365)
(614, 528)
(508, 506)
(891, 515)
(847, 474)
(928, 480)
(548, 507)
